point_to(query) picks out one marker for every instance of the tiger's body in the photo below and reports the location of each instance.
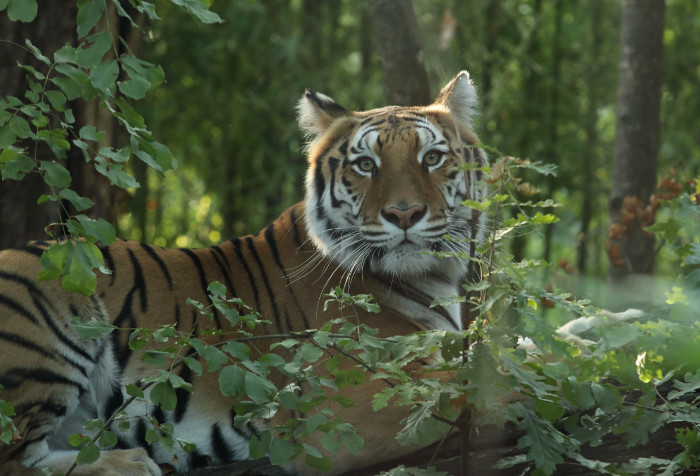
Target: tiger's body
(382, 187)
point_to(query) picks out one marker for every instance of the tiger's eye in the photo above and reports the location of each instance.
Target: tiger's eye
(366, 164)
(432, 158)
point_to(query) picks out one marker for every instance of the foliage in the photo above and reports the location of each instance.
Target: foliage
(91, 71)
(568, 374)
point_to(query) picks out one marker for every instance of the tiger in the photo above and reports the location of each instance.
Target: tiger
(385, 193)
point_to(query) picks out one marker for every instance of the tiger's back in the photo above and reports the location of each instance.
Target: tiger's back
(382, 187)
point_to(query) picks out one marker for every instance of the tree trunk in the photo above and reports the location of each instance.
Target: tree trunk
(591, 124)
(20, 217)
(400, 52)
(631, 249)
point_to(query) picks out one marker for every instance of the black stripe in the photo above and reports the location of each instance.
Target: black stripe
(33, 249)
(159, 414)
(183, 396)
(333, 164)
(23, 444)
(202, 280)
(125, 320)
(109, 263)
(270, 238)
(18, 308)
(223, 452)
(256, 257)
(139, 281)
(140, 436)
(14, 377)
(16, 339)
(237, 248)
(152, 253)
(418, 296)
(37, 296)
(320, 186)
(295, 229)
(44, 407)
(115, 400)
(58, 332)
(222, 262)
(27, 344)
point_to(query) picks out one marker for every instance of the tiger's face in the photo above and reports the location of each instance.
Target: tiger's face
(385, 187)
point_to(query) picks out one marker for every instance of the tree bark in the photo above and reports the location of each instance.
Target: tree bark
(637, 138)
(21, 218)
(400, 52)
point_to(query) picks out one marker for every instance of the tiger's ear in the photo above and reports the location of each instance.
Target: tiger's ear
(459, 96)
(316, 112)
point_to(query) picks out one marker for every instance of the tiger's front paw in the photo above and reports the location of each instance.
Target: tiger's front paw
(134, 462)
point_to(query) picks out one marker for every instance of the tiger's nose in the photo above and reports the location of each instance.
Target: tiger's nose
(404, 218)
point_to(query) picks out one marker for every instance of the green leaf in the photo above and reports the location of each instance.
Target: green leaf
(608, 397)
(92, 49)
(288, 400)
(545, 444)
(214, 358)
(94, 425)
(115, 173)
(134, 391)
(239, 350)
(79, 277)
(156, 357)
(107, 439)
(89, 13)
(104, 75)
(193, 365)
(22, 10)
(78, 202)
(344, 401)
(666, 229)
(352, 441)
(259, 389)
(7, 137)
(65, 54)
(91, 329)
(323, 462)
(57, 99)
(88, 455)
(53, 260)
(20, 127)
(97, 230)
(420, 427)
(330, 443)
(134, 88)
(55, 174)
(199, 11)
(77, 439)
(163, 394)
(259, 445)
(314, 421)
(14, 163)
(549, 410)
(92, 134)
(310, 352)
(232, 381)
(281, 452)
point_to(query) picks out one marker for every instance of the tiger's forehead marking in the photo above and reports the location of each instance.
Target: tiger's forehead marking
(394, 126)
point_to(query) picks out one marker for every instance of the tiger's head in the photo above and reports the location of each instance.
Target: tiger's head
(386, 186)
